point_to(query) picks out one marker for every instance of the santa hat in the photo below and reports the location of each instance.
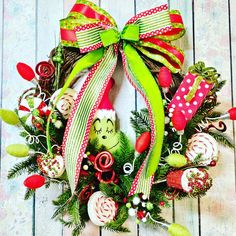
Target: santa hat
(105, 109)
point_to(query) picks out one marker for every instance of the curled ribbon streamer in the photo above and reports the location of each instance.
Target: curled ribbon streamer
(90, 29)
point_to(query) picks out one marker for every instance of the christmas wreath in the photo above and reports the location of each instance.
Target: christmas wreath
(69, 123)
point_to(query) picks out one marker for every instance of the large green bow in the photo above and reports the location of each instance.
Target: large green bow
(95, 32)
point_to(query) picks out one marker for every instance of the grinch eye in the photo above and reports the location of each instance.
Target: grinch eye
(99, 131)
(109, 131)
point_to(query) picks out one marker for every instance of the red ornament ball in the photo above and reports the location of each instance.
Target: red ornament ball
(162, 203)
(178, 120)
(38, 125)
(141, 215)
(213, 163)
(143, 142)
(232, 113)
(125, 200)
(34, 181)
(164, 77)
(25, 71)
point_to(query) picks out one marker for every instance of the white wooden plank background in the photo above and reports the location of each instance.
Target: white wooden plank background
(29, 30)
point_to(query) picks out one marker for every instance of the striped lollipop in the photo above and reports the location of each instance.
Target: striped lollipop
(101, 209)
(202, 144)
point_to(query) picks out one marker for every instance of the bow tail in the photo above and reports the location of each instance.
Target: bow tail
(142, 79)
(78, 126)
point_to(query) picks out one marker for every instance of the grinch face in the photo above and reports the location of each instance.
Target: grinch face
(104, 130)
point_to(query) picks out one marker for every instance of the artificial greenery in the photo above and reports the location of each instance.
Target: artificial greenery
(28, 166)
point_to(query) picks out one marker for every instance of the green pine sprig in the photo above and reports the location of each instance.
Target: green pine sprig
(116, 225)
(28, 166)
(222, 138)
(29, 193)
(140, 121)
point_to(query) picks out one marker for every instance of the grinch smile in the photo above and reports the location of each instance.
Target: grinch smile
(114, 145)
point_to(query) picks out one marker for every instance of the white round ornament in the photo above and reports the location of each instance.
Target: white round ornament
(202, 144)
(101, 209)
(52, 167)
(65, 103)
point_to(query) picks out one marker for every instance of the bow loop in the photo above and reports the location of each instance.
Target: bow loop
(152, 22)
(208, 73)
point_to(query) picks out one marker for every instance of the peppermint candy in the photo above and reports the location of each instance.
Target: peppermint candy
(204, 144)
(53, 167)
(65, 103)
(101, 209)
(30, 109)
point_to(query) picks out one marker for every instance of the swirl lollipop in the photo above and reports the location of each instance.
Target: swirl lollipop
(204, 145)
(103, 161)
(101, 209)
(65, 103)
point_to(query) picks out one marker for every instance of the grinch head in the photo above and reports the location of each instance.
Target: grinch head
(104, 129)
(104, 123)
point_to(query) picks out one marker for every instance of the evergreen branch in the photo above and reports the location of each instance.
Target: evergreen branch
(116, 228)
(116, 225)
(222, 139)
(126, 184)
(77, 230)
(29, 193)
(140, 121)
(220, 85)
(162, 171)
(73, 211)
(29, 166)
(68, 223)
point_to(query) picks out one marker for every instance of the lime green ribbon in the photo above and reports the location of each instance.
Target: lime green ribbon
(93, 30)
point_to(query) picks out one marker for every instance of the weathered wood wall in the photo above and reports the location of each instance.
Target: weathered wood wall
(29, 30)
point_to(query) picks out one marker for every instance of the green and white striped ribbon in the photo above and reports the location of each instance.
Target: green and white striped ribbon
(77, 130)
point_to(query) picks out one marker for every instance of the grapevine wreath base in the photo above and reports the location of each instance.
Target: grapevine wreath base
(70, 131)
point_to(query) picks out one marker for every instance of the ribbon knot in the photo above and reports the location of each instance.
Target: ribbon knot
(112, 36)
(95, 32)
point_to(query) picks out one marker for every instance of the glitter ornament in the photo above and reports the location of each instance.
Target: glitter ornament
(193, 180)
(176, 160)
(53, 167)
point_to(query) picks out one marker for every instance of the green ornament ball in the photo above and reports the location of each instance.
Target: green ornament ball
(178, 230)
(138, 221)
(176, 160)
(9, 117)
(18, 150)
(149, 206)
(128, 205)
